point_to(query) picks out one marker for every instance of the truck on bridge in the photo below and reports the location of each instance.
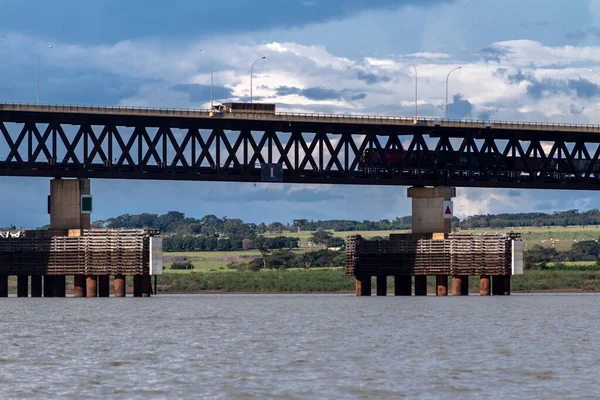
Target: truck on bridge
(243, 108)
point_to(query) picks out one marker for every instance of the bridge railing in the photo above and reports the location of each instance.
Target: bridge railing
(300, 117)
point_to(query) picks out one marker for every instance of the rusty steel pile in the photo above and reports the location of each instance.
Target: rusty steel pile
(90, 255)
(420, 255)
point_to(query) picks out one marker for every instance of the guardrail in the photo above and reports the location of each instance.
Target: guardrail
(301, 117)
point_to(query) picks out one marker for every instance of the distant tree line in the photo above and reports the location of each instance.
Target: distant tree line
(177, 222)
(175, 243)
(558, 218)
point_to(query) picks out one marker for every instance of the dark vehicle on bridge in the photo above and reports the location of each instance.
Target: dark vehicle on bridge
(245, 108)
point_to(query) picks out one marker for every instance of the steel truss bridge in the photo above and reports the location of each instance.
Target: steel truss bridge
(185, 144)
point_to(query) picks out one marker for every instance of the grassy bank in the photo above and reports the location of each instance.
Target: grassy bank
(281, 281)
(334, 280)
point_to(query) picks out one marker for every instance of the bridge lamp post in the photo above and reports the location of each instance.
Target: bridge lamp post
(38, 72)
(447, 77)
(416, 86)
(251, 68)
(211, 79)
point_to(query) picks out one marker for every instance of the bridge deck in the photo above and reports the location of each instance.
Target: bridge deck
(297, 117)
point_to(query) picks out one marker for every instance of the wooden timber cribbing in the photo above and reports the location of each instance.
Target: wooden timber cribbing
(92, 252)
(458, 254)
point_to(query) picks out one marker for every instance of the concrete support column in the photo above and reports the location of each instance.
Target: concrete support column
(427, 213)
(65, 204)
(465, 285)
(36, 286)
(146, 286)
(59, 282)
(506, 285)
(3, 285)
(382, 285)
(457, 285)
(403, 285)
(498, 285)
(22, 285)
(79, 286)
(137, 286)
(484, 285)
(104, 286)
(91, 286)
(120, 286)
(48, 286)
(441, 285)
(420, 285)
(363, 285)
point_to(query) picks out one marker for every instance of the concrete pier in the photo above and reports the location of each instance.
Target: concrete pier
(103, 286)
(91, 285)
(120, 286)
(79, 286)
(36, 286)
(484, 285)
(506, 279)
(146, 286)
(498, 285)
(420, 285)
(3, 285)
(465, 285)
(48, 286)
(457, 285)
(382, 285)
(427, 213)
(65, 204)
(363, 286)
(59, 282)
(22, 286)
(137, 286)
(441, 284)
(402, 285)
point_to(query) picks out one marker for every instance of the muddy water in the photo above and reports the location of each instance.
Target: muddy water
(301, 346)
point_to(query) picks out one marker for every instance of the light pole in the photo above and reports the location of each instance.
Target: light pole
(211, 80)
(447, 77)
(251, 68)
(38, 72)
(416, 87)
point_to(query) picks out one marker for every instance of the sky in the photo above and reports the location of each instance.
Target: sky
(526, 60)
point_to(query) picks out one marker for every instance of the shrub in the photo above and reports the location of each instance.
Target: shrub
(182, 265)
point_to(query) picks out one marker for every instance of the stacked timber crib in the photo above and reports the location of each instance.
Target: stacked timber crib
(458, 255)
(91, 256)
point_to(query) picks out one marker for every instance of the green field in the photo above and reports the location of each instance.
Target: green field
(561, 238)
(212, 261)
(305, 235)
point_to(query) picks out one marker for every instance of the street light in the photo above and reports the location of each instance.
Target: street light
(447, 77)
(251, 68)
(211, 80)
(416, 86)
(38, 72)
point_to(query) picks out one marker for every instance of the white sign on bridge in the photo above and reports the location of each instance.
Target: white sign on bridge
(448, 209)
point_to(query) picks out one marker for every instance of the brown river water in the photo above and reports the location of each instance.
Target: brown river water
(301, 347)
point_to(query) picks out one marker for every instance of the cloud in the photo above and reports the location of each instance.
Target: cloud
(370, 78)
(201, 93)
(459, 108)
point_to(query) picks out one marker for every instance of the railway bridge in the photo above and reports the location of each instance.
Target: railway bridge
(431, 155)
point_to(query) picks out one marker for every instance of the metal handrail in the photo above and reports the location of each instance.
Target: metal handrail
(318, 116)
